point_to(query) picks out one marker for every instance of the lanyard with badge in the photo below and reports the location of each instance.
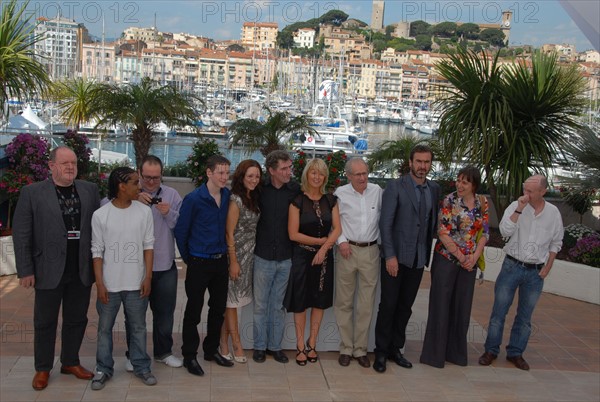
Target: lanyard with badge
(69, 208)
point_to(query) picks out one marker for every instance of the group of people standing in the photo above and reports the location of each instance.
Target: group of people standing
(271, 241)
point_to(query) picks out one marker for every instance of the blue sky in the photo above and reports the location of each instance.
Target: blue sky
(534, 22)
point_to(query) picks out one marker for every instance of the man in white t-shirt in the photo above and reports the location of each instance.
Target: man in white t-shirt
(122, 252)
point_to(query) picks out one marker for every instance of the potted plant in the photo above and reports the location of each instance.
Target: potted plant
(28, 157)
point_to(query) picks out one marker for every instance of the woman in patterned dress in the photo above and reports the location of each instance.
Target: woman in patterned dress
(462, 232)
(240, 233)
(313, 226)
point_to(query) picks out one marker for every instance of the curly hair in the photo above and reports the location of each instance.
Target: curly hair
(118, 176)
(250, 201)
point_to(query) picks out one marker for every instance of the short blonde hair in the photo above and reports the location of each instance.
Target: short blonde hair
(318, 165)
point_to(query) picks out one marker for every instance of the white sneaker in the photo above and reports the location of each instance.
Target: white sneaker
(128, 365)
(171, 361)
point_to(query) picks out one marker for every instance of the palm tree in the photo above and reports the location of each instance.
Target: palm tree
(508, 120)
(20, 72)
(275, 133)
(393, 156)
(79, 100)
(143, 106)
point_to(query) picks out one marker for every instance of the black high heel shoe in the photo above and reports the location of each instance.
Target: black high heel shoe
(311, 349)
(298, 353)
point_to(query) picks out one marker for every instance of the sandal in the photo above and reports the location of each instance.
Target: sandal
(298, 353)
(312, 359)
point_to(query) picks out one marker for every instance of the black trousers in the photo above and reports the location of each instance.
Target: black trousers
(450, 301)
(75, 299)
(395, 307)
(203, 274)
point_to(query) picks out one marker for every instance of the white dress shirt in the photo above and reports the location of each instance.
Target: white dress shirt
(359, 213)
(532, 237)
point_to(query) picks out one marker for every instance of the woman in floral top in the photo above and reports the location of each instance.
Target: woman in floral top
(462, 216)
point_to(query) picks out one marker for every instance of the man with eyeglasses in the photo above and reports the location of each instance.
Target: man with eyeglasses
(52, 234)
(164, 202)
(357, 261)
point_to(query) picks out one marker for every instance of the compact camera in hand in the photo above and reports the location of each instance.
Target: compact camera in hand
(155, 200)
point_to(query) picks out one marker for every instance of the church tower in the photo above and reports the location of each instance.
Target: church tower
(505, 25)
(377, 15)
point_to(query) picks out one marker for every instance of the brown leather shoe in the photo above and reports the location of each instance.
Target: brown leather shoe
(363, 361)
(78, 371)
(40, 380)
(344, 360)
(487, 358)
(518, 361)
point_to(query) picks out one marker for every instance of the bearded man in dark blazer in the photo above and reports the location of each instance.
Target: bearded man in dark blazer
(52, 238)
(408, 220)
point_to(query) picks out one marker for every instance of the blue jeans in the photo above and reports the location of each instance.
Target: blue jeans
(135, 308)
(270, 283)
(512, 276)
(162, 303)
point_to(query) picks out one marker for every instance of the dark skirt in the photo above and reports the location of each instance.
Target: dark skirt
(309, 285)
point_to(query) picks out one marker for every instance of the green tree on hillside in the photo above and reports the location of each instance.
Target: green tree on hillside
(468, 30)
(335, 17)
(493, 36)
(423, 42)
(444, 29)
(419, 28)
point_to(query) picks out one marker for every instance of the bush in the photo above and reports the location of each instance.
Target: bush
(28, 157)
(196, 161)
(79, 144)
(179, 169)
(574, 233)
(336, 162)
(100, 177)
(587, 250)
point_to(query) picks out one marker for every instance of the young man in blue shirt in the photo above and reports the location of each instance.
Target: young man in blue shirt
(200, 235)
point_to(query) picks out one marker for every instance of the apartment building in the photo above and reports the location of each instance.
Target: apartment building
(259, 36)
(144, 34)
(304, 38)
(59, 48)
(415, 83)
(341, 42)
(98, 61)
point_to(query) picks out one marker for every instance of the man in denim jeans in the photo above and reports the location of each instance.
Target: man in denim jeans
(164, 202)
(273, 257)
(536, 231)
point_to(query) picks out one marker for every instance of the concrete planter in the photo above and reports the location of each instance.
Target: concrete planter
(577, 281)
(7, 256)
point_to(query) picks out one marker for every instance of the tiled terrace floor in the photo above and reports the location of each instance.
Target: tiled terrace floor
(564, 353)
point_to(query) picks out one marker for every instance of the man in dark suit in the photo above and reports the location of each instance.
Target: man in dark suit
(52, 237)
(408, 220)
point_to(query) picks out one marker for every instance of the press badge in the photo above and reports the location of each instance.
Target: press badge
(73, 234)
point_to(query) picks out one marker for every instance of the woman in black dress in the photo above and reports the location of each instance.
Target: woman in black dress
(313, 226)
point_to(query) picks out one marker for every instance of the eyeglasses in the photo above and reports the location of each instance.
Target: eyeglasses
(151, 178)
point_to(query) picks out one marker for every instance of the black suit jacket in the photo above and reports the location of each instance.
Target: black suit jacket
(40, 235)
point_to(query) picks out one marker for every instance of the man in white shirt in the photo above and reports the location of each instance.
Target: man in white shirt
(536, 231)
(357, 261)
